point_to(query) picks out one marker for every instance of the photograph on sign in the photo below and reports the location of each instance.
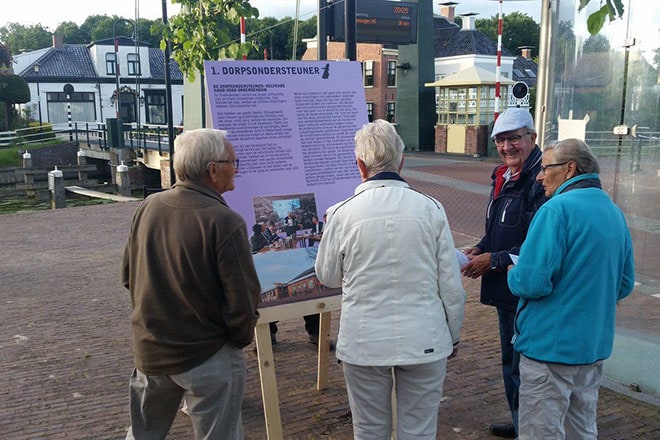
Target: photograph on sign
(292, 124)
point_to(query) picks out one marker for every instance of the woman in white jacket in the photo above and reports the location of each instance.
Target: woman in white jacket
(390, 249)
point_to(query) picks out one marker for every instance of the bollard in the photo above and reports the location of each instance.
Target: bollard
(123, 180)
(56, 187)
(82, 161)
(28, 177)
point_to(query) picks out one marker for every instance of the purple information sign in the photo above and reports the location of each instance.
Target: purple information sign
(292, 124)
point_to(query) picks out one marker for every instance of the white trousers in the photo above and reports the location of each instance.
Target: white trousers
(213, 392)
(418, 393)
(558, 401)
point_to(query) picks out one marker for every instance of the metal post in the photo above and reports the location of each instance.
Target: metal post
(68, 116)
(36, 70)
(322, 31)
(114, 36)
(350, 25)
(168, 100)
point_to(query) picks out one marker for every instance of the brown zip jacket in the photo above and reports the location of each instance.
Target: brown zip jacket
(193, 284)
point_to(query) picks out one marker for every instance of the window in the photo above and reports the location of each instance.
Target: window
(110, 63)
(391, 108)
(155, 107)
(82, 107)
(133, 61)
(370, 111)
(391, 73)
(368, 71)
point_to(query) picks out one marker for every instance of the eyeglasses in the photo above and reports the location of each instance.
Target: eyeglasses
(513, 140)
(234, 163)
(550, 165)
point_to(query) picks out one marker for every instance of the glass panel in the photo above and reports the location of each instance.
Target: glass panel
(611, 79)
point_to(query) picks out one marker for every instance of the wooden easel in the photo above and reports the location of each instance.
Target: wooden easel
(324, 306)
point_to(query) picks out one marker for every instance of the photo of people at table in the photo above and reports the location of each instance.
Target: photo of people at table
(285, 222)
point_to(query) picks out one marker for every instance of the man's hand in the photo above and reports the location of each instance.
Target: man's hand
(479, 264)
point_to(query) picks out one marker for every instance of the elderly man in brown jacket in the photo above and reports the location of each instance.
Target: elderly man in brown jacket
(194, 295)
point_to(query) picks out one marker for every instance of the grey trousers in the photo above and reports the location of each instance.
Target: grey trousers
(213, 392)
(418, 393)
(558, 401)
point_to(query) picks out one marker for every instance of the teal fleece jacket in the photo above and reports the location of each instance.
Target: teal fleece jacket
(575, 264)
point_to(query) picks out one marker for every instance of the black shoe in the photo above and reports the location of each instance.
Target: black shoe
(506, 430)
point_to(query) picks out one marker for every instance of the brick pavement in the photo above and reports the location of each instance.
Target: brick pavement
(65, 343)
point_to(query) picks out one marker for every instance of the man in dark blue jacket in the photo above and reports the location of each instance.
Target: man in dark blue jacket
(514, 199)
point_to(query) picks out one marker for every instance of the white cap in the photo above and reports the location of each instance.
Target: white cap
(512, 119)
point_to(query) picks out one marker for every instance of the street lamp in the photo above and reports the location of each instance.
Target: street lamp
(116, 41)
(36, 71)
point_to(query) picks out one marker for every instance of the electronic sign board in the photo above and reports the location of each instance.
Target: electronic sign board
(378, 21)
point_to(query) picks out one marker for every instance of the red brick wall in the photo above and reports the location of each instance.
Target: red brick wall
(379, 94)
(440, 138)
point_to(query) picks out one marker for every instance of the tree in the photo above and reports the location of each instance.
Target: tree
(596, 43)
(71, 33)
(518, 29)
(21, 38)
(202, 31)
(13, 90)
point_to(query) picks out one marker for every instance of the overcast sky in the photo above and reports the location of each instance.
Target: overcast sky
(50, 13)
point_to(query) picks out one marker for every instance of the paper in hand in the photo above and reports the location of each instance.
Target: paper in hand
(463, 259)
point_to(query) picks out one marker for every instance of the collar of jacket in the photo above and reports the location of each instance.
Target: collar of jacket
(380, 180)
(578, 182)
(201, 188)
(386, 175)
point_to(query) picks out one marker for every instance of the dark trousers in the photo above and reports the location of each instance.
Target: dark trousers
(510, 361)
(312, 324)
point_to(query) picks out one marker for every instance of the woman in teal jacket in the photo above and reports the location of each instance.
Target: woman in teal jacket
(575, 264)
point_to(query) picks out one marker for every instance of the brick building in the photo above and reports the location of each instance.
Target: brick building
(379, 72)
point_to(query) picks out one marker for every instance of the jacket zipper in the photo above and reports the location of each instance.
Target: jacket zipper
(504, 212)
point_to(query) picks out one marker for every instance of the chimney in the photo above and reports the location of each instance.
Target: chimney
(468, 21)
(448, 10)
(58, 41)
(526, 52)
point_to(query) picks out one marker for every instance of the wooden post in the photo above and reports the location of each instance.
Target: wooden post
(268, 382)
(82, 160)
(28, 177)
(123, 180)
(56, 187)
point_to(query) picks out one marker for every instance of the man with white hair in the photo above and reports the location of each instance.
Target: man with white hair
(194, 295)
(514, 198)
(391, 251)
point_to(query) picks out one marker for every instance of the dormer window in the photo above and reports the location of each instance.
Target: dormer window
(110, 62)
(133, 61)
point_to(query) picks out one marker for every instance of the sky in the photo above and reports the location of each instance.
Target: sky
(50, 13)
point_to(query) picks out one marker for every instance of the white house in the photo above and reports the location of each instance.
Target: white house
(90, 76)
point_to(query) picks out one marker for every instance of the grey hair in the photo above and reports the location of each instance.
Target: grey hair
(379, 146)
(577, 151)
(194, 149)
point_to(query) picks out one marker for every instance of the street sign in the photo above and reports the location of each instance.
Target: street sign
(378, 21)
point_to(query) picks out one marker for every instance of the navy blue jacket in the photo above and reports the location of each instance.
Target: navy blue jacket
(507, 219)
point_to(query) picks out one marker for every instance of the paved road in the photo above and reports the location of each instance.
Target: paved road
(65, 352)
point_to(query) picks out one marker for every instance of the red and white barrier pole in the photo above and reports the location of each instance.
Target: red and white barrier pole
(243, 34)
(498, 69)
